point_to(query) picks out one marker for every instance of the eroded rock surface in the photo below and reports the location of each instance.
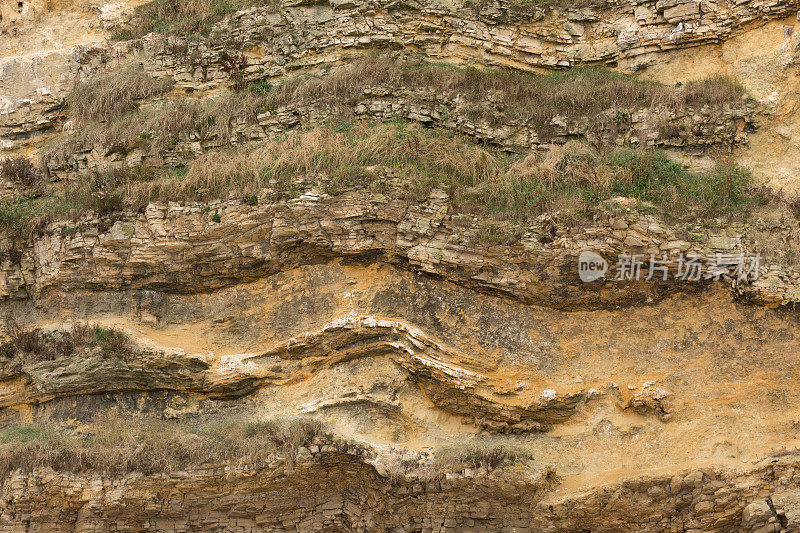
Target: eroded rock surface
(178, 248)
(647, 404)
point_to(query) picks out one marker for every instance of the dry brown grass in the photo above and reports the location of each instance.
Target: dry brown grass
(410, 161)
(20, 171)
(118, 446)
(155, 128)
(107, 111)
(713, 90)
(481, 453)
(514, 96)
(114, 94)
(25, 347)
(338, 158)
(475, 454)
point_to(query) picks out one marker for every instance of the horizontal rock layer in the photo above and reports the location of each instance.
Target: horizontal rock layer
(180, 249)
(302, 35)
(332, 487)
(496, 33)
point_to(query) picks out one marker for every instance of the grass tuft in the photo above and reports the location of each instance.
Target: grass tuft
(479, 454)
(24, 216)
(114, 94)
(34, 346)
(123, 126)
(118, 446)
(487, 454)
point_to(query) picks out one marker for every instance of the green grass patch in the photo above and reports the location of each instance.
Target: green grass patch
(651, 176)
(24, 434)
(24, 216)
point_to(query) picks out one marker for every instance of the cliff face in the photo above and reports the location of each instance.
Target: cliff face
(179, 249)
(468, 377)
(666, 41)
(348, 495)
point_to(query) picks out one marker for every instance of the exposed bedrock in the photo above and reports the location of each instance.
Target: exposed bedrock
(309, 36)
(179, 248)
(333, 488)
(392, 318)
(387, 353)
(395, 358)
(305, 35)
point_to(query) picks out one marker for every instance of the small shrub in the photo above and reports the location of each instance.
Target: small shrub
(26, 341)
(20, 171)
(479, 454)
(235, 67)
(34, 346)
(303, 431)
(112, 342)
(107, 204)
(24, 347)
(14, 255)
(259, 87)
(7, 350)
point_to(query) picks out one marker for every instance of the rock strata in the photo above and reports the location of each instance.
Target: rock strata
(178, 248)
(332, 486)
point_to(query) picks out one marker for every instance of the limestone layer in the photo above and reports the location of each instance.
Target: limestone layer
(178, 248)
(332, 487)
